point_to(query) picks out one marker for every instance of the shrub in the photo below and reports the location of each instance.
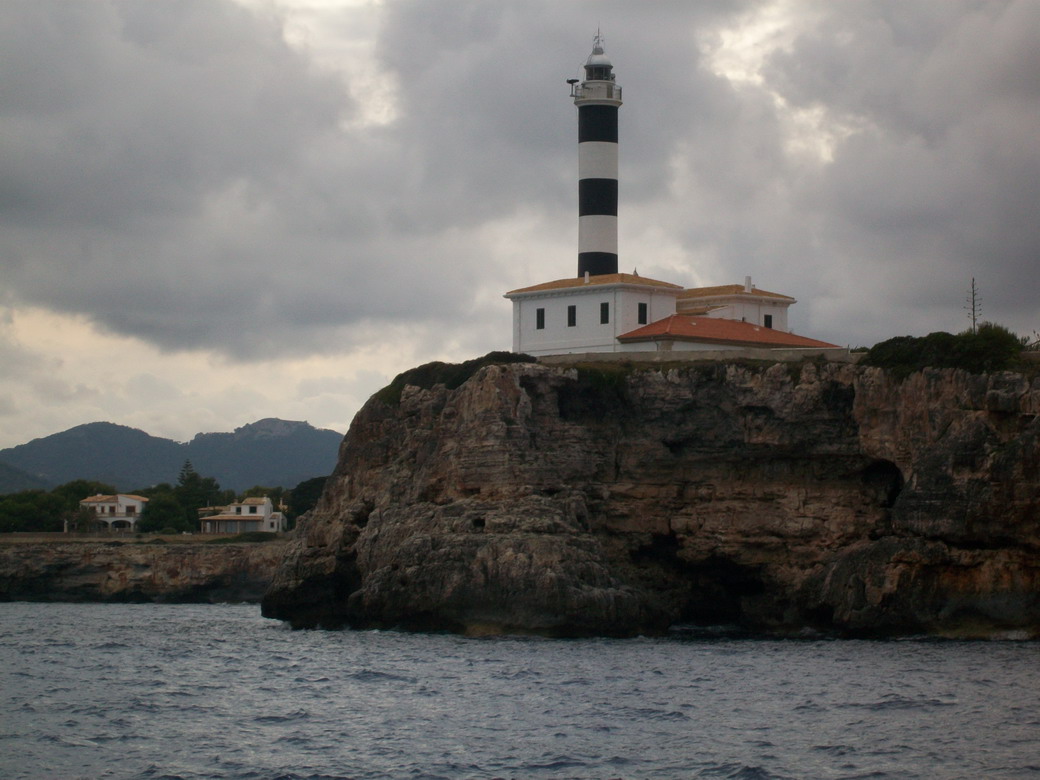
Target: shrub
(991, 348)
(451, 375)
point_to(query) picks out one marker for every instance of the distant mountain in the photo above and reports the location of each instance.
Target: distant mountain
(268, 452)
(102, 451)
(13, 480)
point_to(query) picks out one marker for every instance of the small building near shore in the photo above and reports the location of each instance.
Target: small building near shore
(118, 513)
(250, 514)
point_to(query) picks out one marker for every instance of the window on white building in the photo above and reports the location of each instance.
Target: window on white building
(767, 320)
(572, 316)
(604, 313)
(643, 313)
(539, 319)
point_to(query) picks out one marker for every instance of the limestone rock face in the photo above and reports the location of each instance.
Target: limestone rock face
(85, 571)
(625, 499)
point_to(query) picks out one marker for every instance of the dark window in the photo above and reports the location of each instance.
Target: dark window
(252, 510)
(768, 320)
(572, 316)
(539, 319)
(642, 313)
(604, 313)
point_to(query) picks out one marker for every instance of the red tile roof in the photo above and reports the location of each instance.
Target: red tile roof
(716, 330)
(99, 499)
(730, 289)
(579, 281)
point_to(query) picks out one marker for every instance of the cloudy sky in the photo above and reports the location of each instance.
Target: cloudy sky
(215, 211)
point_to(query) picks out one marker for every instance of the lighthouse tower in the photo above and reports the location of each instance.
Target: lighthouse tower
(597, 99)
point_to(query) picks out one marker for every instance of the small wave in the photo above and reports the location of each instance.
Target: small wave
(77, 741)
(368, 675)
(834, 750)
(646, 713)
(896, 702)
(740, 772)
(160, 774)
(297, 715)
(557, 762)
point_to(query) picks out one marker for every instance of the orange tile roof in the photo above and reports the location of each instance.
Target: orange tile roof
(579, 281)
(729, 289)
(714, 329)
(701, 309)
(110, 499)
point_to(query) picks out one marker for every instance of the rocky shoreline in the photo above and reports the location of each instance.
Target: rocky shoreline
(136, 572)
(617, 500)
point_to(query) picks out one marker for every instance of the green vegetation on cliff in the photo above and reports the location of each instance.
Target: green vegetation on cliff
(990, 348)
(451, 375)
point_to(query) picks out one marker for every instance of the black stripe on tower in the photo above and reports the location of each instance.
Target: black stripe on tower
(597, 123)
(597, 263)
(597, 196)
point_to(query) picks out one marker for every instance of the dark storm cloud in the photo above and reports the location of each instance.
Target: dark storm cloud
(942, 180)
(177, 172)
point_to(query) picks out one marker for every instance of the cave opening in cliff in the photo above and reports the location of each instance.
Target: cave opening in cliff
(708, 592)
(884, 479)
(718, 589)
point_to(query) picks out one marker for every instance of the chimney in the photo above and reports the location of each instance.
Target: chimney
(747, 284)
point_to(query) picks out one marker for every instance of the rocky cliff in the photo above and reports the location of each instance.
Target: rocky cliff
(137, 572)
(620, 499)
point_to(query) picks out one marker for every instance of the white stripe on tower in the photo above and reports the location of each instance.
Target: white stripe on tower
(597, 99)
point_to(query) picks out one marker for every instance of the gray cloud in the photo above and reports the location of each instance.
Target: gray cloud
(177, 172)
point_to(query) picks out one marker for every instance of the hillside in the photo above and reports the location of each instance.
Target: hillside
(13, 480)
(267, 452)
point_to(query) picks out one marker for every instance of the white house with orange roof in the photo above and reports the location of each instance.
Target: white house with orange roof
(605, 311)
(119, 512)
(745, 303)
(586, 314)
(250, 514)
(631, 313)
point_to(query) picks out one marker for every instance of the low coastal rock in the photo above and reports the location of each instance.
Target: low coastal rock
(85, 571)
(623, 499)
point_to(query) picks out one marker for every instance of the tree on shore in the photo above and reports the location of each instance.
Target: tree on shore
(47, 511)
(304, 496)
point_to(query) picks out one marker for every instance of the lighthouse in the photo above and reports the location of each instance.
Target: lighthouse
(605, 311)
(597, 98)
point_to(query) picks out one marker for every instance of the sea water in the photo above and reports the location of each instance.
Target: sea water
(216, 691)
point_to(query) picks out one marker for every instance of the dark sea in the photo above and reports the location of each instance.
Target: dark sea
(204, 691)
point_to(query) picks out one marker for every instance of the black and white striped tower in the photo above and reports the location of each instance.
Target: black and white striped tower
(597, 98)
